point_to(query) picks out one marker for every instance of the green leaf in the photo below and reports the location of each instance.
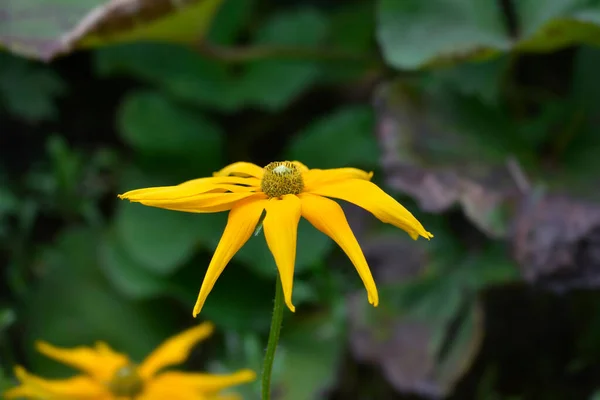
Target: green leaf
(178, 70)
(557, 24)
(27, 90)
(47, 28)
(126, 275)
(352, 31)
(342, 139)
(159, 240)
(310, 353)
(156, 126)
(273, 84)
(482, 79)
(241, 300)
(72, 305)
(312, 247)
(415, 33)
(229, 21)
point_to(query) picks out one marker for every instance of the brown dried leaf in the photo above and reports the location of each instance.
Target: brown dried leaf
(556, 241)
(405, 351)
(408, 132)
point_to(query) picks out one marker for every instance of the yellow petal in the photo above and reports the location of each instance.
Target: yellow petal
(208, 384)
(76, 388)
(243, 169)
(174, 350)
(192, 188)
(369, 196)
(240, 226)
(300, 166)
(316, 177)
(328, 217)
(281, 230)
(100, 363)
(203, 203)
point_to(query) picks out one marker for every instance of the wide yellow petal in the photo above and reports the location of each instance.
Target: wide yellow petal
(174, 350)
(328, 217)
(241, 223)
(201, 383)
(100, 363)
(192, 188)
(281, 231)
(203, 203)
(369, 196)
(301, 167)
(76, 388)
(316, 177)
(241, 169)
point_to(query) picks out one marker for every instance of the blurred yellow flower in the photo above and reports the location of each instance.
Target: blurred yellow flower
(285, 190)
(108, 375)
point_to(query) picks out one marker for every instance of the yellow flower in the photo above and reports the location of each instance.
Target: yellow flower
(285, 190)
(108, 375)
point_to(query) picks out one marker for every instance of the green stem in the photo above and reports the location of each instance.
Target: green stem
(273, 340)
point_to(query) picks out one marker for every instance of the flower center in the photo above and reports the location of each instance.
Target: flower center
(126, 382)
(281, 178)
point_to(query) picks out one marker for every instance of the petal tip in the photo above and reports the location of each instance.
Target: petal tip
(291, 306)
(247, 375)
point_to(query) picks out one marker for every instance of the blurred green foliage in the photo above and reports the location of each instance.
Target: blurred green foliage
(458, 86)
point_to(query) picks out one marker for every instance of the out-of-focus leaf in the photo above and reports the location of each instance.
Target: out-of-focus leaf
(47, 28)
(27, 90)
(481, 79)
(7, 318)
(416, 33)
(157, 239)
(72, 306)
(311, 352)
(352, 31)
(229, 21)
(465, 160)
(312, 247)
(595, 396)
(240, 301)
(344, 138)
(153, 125)
(178, 70)
(128, 276)
(557, 23)
(272, 84)
(8, 201)
(434, 321)
(556, 240)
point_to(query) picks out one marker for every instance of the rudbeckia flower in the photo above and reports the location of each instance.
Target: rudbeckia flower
(285, 191)
(108, 375)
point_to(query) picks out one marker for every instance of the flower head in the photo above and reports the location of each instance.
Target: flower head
(285, 191)
(108, 375)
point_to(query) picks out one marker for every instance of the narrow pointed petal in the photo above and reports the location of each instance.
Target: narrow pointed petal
(174, 350)
(100, 363)
(33, 387)
(192, 188)
(369, 196)
(243, 169)
(240, 226)
(203, 203)
(328, 217)
(209, 384)
(281, 231)
(317, 177)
